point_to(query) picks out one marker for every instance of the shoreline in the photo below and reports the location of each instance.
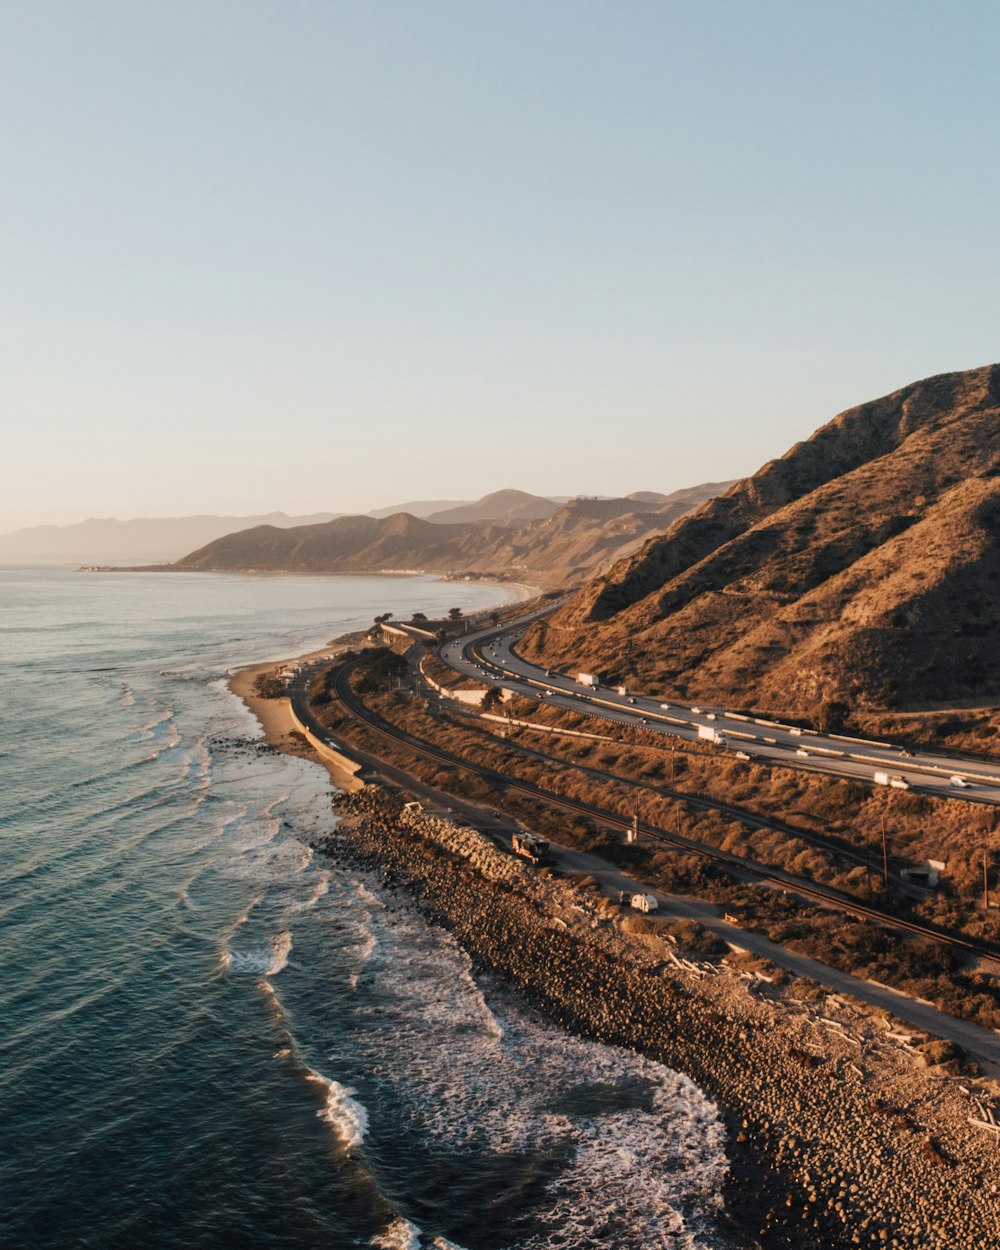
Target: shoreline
(281, 728)
(815, 1098)
(279, 723)
(836, 1137)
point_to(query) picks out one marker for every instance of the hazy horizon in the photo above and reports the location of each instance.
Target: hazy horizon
(314, 259)
(368, 511)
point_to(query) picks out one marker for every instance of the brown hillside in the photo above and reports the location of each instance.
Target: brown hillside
(564, 548)
(862, 566)
(510, 507)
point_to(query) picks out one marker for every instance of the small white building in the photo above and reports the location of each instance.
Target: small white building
(928, 873)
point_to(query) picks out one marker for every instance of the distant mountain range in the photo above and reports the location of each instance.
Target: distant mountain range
(498, 536)
(108, 540)
(160, 540)
(417, 507)
(861, 568)
(504, 506)
(102, 540)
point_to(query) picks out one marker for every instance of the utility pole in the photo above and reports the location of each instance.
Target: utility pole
(634, 833)
(986, 882)
(672, 745)
(885, 857)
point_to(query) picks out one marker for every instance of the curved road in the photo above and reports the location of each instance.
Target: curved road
(489, 656)
(982, 1044)
(735, 864)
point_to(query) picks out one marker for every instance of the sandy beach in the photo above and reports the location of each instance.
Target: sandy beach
(282, 730)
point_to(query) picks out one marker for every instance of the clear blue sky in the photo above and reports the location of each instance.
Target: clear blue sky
(329, 256)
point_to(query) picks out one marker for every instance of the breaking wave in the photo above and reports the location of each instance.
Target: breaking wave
(267, 960)
(342, 1111)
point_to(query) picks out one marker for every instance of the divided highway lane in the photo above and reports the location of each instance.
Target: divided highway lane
(489, 656)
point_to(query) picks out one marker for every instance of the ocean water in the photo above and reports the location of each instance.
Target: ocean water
(212, 1037)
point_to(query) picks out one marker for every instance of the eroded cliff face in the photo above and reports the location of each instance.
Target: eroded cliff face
(862, 566)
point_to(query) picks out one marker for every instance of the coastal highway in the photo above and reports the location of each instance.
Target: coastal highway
(489, 656)
(978, 1042)
(742, 868)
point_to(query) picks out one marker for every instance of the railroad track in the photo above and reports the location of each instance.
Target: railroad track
(703, 803)
(733, 864)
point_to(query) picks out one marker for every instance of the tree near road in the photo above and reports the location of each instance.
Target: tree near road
(492, 699)
(833, 716)
(454, 614)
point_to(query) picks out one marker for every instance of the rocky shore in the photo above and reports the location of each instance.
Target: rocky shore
(841, 1135)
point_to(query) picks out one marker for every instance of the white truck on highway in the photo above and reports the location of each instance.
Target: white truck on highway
(587, 679)
(895, 780)
(708, 733)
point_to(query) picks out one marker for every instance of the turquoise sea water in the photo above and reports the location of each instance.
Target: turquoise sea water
(210, 1037)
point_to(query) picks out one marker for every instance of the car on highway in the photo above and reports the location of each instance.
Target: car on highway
(958, 782)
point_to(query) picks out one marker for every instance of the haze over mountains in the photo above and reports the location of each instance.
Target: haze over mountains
(102, 539)
(157, 539)
(565, 544)
(502, 505)
(862, 567)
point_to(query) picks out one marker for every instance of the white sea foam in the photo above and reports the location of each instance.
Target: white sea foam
(364, 950)
(475, 1072)
(270, 861)
(162, 716)
(400, 1235)
(267, 960)
(346, 1116)
(319, 890)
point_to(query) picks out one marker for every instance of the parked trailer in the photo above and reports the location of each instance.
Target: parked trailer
(643, 902)
(587, 679)
(528, 846)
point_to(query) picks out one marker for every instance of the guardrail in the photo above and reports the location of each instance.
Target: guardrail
(343, 763)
